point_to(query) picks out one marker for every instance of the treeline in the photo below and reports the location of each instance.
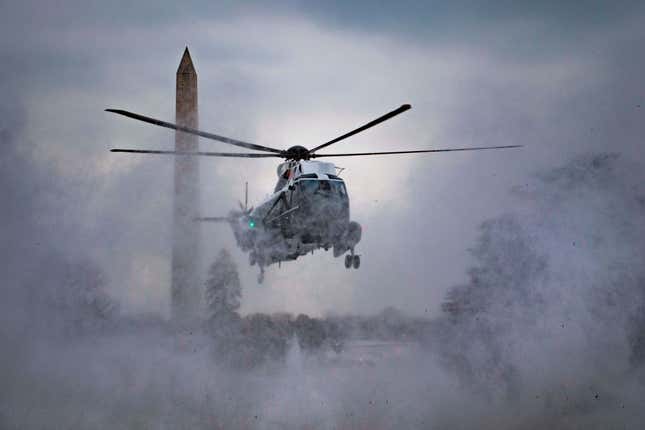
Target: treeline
(259, 338)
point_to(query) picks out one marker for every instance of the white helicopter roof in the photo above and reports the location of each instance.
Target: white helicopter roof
(319, 167)
(306, 167)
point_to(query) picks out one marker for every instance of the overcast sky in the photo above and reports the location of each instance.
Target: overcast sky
(560, 78)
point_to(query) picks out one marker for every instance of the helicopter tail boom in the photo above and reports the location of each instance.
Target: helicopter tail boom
(214, 219)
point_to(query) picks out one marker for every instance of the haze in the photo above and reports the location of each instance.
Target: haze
(564, 80)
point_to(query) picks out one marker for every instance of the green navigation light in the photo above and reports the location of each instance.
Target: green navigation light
(251, 224)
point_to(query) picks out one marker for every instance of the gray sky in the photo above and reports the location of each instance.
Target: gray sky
(561, 79)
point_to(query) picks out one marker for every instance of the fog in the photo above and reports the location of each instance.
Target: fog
(497, 290)
(546, 331)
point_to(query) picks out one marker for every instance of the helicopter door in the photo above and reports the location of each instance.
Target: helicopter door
(279, 214)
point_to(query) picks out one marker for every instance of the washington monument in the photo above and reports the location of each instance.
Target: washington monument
(185, 289)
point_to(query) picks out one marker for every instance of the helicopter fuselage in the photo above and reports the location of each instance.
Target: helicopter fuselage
(308, 210)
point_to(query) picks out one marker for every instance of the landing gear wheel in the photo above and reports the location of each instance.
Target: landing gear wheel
(348, 261)
(356, 262)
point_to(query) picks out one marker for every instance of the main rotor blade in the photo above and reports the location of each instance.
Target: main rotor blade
(378, 120)
(414, 152)
(200, 153)
(194, 131)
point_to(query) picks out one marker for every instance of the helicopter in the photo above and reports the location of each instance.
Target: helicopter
(309, 207)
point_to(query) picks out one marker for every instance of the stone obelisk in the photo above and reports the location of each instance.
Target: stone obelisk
(185, 289)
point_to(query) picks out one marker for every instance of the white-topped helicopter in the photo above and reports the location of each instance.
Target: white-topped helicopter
(309, 207)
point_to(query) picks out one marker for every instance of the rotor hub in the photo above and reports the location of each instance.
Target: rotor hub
(297, 152)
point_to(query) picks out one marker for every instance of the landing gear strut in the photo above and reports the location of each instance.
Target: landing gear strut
(261, 275)
(352, 260)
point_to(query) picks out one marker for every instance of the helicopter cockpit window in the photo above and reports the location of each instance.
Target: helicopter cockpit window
(308, 187)
(339, 187)
(324, 185)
